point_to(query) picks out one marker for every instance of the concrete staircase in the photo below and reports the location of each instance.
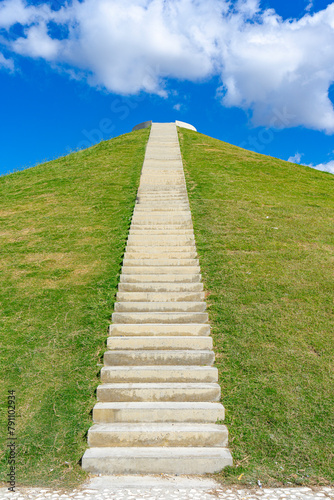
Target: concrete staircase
(159, 397)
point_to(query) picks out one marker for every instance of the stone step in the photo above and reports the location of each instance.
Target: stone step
(158, 374)
(191, 330)
(145, 222)
(157, 434)
(153, 357)
(172, 269)
(179, 256)
(159, 262)
(159, 317)
(162, 207)
(168, 343)
(133, 247)
(160, 287)
(156, 460)
(160, 239)
(159, 213)
(151, 192)
(163, 181)
(152, 155)
(160, 278)
(161, 227)
(157, 146)
(147, 199)
(159, 297)
(183, 216)
(158, 412)
(160, 306)
(159, 392)
(167, 210)
(161, 173)
(152, 198)
(176, 224)
(160, 189)
(155, 176)
(155, 193)
(165, 230)
(162, 147)
(162, 203)
(168, 227)
(182, 251)
(142, 211)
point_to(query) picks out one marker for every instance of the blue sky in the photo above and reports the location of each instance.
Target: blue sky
(255, 74)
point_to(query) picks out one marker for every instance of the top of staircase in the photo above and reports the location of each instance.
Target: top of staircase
(177, 123)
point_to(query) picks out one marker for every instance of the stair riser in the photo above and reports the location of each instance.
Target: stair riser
(159, 262)
(160, 343)
(161, 270)
(160, 287)
(162, 224)
(176, 257)
(158, 394)
(166, 208)
(157, 412)
(159, 317)
(160, 230)
(156, 252)
(154, 358)
(159, 297)
(131, 330)
(160, 278)
(163, 181)
(149, 220)
(158, 375)
(149, 439)
(192, 464)
(160, 190)
(160, 306)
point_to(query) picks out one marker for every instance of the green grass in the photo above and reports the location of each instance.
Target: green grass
(264, 232)
(63, 228)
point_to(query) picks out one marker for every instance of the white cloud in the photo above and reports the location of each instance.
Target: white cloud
(309, 6)
(6, 63)
(266, 64)
(17, 11)
(177, 106)
(295, 158)
(326, 167)
(37, 43)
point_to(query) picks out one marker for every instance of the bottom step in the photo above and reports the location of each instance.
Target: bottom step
(156, 460)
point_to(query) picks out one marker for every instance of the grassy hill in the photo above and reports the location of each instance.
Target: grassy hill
(63, 228)
(264, 231)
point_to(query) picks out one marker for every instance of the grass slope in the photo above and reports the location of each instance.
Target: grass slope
(63, 227)
(264, 232)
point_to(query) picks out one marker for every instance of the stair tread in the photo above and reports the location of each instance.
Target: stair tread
(160, 405)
